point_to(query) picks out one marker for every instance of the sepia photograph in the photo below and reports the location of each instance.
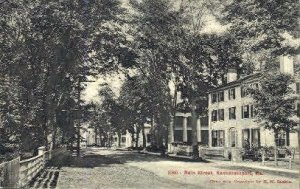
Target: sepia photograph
(150, 94)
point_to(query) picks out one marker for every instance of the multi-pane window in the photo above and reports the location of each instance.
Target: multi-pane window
(217, 97)
(282, 138)
(251, 138)
(214, 97)
(232, 113)
(221, 96)
(245, 111)
(178, 136)
(221, 114)
(214, 115)
(253, 111)
(217, 115)
(243, 91)
(231, 93)
(218, 138)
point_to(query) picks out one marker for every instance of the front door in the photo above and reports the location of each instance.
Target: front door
(232, 137)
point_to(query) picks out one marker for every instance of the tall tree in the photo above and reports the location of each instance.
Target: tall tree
(155, 44)
(275, 103)
(205, 59)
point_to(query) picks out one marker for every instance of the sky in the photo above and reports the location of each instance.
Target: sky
(115, 81)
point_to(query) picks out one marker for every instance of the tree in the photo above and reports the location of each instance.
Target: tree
(48, 48)
(156, 45)
(205, 59)
(260, 24)
(171, 45)
(275, 103)
(138, 97)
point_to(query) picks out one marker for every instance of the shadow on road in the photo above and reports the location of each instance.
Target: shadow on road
(66, 159)
(140, 157)
(94, 158)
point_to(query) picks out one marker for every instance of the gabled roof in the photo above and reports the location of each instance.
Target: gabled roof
(245, 79)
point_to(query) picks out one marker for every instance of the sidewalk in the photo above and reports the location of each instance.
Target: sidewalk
(256, 166)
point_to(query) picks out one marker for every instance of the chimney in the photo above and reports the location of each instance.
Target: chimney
(231, 75)
(286, 64)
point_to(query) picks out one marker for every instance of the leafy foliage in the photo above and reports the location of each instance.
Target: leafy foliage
(261, 24)
(47, 48)
(275, 103)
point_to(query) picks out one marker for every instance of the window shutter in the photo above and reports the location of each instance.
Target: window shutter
(242, 91)
(233, 91)
(242, 111)
(234, 113)
(287, 138)
(258, 134)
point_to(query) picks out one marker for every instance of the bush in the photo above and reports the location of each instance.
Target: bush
(8, 148)
(153, 148)
(253, 153)
(8, 152)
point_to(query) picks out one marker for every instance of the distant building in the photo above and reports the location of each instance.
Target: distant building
(126, 139)
(88, 136)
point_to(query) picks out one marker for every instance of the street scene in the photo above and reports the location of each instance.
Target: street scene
(106, 168)
(149, 94)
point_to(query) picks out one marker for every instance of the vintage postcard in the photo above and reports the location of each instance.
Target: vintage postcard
(99, 94)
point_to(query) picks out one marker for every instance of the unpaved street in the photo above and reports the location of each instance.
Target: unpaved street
(101, 168)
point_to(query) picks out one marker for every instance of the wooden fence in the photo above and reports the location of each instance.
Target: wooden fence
(9, 173)
(29, 168)
(16, 173)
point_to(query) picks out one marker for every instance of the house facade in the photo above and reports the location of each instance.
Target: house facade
(180, 128)
(232, 114)
(89, 137)
(126, 139)
(181, 131)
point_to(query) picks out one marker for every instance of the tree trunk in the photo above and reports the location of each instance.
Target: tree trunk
(132, 139)
(275, 147)
(166, 135)
(96, 133)
(160, 134)
(119, 138)
(194, 130)
(144, 136)
(137, 137)
(63, 137)
(152, 130)
(54, 137)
